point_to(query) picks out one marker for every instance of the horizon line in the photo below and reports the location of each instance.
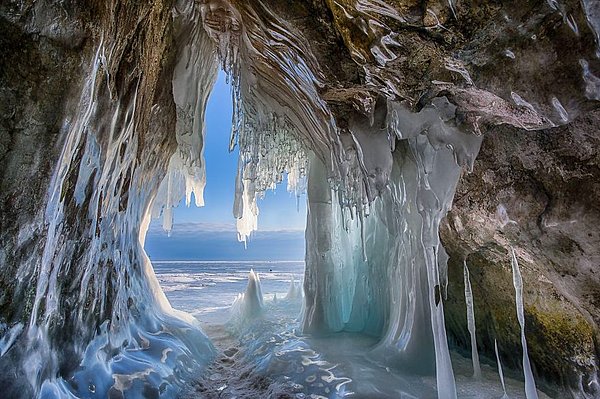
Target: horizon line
(225, 261)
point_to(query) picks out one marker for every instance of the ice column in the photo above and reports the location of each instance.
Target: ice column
(381, 267)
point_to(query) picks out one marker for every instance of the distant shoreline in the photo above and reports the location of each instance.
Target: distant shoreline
(227, 261)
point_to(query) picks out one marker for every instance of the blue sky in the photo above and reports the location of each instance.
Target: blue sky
(208, 233)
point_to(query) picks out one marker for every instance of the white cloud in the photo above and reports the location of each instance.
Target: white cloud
(217, 229)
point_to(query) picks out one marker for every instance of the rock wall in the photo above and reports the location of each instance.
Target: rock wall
(537, 192)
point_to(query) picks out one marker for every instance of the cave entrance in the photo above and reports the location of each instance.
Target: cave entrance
(200, 264)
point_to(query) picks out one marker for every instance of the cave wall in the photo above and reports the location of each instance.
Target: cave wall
(537, 192)
(88, 128)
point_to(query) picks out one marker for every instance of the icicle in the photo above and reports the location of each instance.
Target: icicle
(249, 221)
(505, 396)
(451, 3)
(168, 211)
(471, 323)
(446, 385)
(362, 236)
(9, 337)
(530, 390)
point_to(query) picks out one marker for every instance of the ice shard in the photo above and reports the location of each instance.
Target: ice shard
(500, 372)
(530, 390)
(294, 291)
(471, 322)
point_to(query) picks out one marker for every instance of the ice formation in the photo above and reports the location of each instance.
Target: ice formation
(471, 322)
(500, 372)
(530, 390)
(248, 305)
(294, 291)
(193, 78)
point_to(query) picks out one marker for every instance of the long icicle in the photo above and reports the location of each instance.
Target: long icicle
(471, 323)
(500, 372)
(530, 390)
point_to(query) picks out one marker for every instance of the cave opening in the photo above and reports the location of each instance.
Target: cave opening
(200, 263)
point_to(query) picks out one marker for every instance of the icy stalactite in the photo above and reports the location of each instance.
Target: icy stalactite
(471, 322)
(193, 78)
(530, 390)
(397, 290)
(247, 210)
(500, 372)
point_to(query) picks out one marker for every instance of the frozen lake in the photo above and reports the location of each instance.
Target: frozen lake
(207, 289)
(272, 345)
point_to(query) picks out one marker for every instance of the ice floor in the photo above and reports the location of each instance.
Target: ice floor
(266, 356)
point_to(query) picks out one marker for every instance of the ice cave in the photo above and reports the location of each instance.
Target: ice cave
(449, 152)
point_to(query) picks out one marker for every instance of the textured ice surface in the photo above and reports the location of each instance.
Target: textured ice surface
(100, 324)
(268, 356)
